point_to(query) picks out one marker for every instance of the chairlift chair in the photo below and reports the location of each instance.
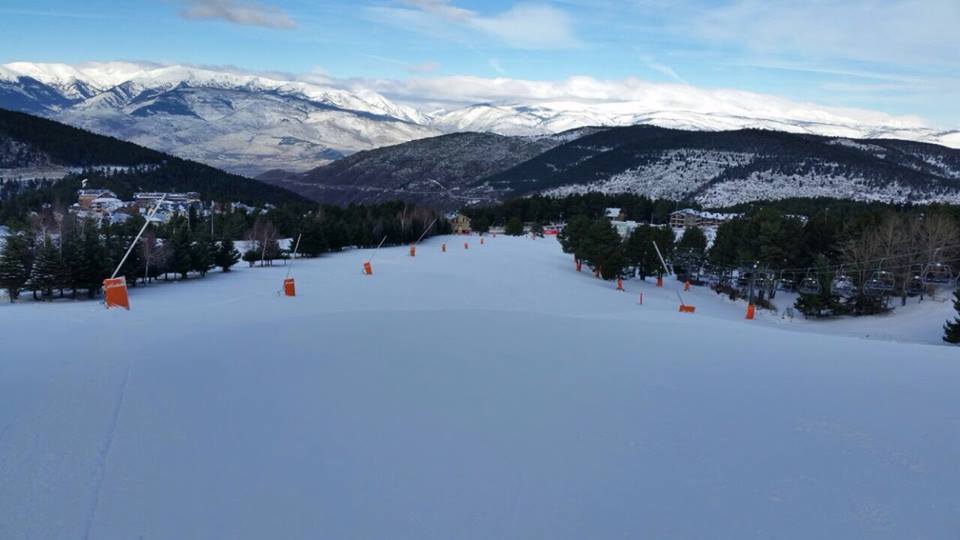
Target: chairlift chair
(842, 285)
(937, 274)
(880, 283)
(809, 284)
(787, 281)
(914, 285)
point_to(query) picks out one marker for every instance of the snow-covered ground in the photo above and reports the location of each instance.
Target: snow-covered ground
(484, 393)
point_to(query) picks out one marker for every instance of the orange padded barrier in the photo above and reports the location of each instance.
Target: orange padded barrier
(367, 268)
(687, 309)
(115, 293)
(413, 250)
(750, 312)
(289, 289)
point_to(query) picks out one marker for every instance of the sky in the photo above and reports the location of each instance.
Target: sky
(899, 57)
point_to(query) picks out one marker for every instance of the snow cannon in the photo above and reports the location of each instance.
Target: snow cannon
(289, 288)
(115, 293)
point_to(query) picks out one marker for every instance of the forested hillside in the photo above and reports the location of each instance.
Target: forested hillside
(28, 141)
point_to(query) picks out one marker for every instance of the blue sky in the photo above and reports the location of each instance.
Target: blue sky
(900, 57)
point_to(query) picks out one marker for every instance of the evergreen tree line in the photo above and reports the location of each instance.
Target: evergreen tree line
(57, 254)
(545, 210)
(76, 257)
(598, 244)
(895, 247)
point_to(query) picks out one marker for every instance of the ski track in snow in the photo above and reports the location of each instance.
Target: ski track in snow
(103, 456)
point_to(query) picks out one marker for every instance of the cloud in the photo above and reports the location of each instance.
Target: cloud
(616, 97)
(663, 69)
(522, 26)
(906, 32)
(236, 12)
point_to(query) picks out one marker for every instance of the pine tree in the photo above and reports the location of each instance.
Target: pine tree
(603, 249)
(69, 276)
(46, 271)
(14, 265)
(951, 330)
(573, 234)
(227, 255)
(203, 253)
(693, 239)
(93, 263)
(181, 251)
(514, 227)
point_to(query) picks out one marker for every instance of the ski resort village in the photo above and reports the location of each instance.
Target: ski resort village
(475, 270)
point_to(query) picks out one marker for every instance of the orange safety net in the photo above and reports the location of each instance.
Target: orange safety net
(115, 293)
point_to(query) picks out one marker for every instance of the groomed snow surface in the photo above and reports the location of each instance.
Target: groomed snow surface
(484, 393)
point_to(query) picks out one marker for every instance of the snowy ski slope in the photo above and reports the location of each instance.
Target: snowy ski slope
(482, 393)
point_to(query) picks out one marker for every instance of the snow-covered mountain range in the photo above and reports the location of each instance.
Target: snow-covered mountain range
(250, 123)
(715, 168)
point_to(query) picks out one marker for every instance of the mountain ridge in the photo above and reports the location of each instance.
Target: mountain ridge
(250, 123)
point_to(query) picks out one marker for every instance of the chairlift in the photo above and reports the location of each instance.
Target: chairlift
(787, 281)
(809, 284)
(766, 282)
(937, 274)
(842, 285)
(880, 282)
(914, 285)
